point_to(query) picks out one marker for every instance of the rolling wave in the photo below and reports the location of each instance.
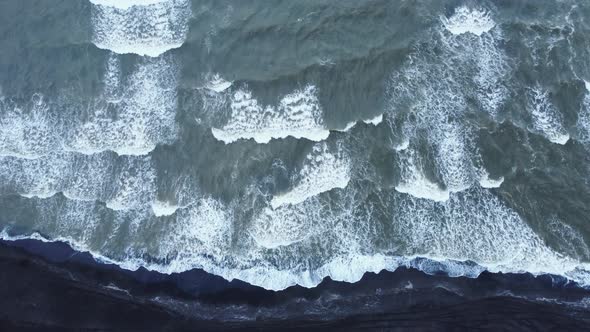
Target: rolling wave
(298, 114)
(321, 172)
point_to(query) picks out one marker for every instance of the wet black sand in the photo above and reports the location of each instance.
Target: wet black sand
(65, 290)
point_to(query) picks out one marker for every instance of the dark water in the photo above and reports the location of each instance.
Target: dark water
(282, 142)
(41, 294)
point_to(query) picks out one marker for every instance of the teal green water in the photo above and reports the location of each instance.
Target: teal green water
(281, 142)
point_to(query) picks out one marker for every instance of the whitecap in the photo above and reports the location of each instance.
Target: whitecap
(218, 84)
(545, 117)
(140, 27)
(137, 113)
(161, 208)
(322, 171)
(472, 225)
(125, 4)
(28, 131)
(414, 182)
(469, 20)
(124, 183)
(298, 114)
(486, 182)
(374, 121)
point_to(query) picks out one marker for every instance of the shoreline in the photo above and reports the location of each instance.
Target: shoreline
(198, 299)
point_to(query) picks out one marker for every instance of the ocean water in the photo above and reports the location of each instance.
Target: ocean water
(281, 143)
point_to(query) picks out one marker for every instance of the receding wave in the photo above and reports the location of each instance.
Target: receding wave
(471, 226)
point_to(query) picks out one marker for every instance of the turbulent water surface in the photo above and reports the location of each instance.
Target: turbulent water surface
(282, 143)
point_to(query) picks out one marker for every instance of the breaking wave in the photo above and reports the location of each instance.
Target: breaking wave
(144, 27)
(545, 118)
(471, 226)
(86, 172)
(322, 171)
(298, 114)
(437, 105)
(131, 116)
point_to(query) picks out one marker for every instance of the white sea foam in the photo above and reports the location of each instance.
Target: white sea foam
(437, 104)
(583, 123)
(123, 182)
(137, 115)
(486, 182)
(130, 117)
(348, 126)
(28, 131)
(125, 4)
(470, 20)
(571, 240)
(218, 84)
(545, 117)
(322, 171)
(142, 27)
(283, 226)
(472, 225)
(298, 114)
(438, 110)
(414, 182)
(204, 228)
(475, 225)
(163, 208)
(375, 121)
(403, 145)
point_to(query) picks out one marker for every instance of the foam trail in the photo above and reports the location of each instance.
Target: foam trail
(475, 225)
(284, 226)
(546, 118)
(437, 103)
(468, 20)
(28, 131)
(584, 117)
(414, 182)
(322, 172)
(472, 225)
(125, 4)
(122, 182)
(136, 116)
(141, 27)
(298, 115)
